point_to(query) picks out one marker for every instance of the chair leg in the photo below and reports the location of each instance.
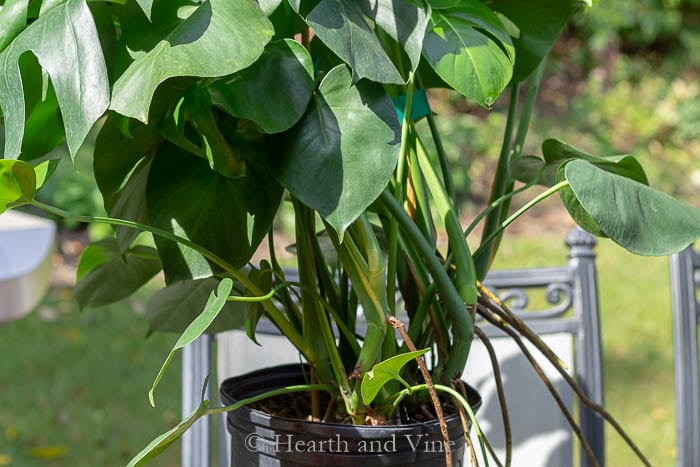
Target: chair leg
(196, 366)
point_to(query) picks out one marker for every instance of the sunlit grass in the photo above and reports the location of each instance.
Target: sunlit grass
(74, 386)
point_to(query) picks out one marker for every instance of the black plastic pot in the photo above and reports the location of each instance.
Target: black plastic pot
(259, 439)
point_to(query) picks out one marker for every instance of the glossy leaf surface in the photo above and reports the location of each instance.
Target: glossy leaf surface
(273, 92)
(78, 73)
(219, 38)
(557, 154)
(469, 48)
(342, 26)
(342, 153)
(13, 18)
(641, 219)
(404, 22)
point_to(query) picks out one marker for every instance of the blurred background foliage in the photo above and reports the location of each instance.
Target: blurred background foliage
(623, 79)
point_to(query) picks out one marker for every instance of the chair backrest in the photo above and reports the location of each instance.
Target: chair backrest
(684, 271)
(569, 324)
(567, 320)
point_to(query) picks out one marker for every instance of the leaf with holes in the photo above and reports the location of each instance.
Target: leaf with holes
(220, 37)
(78, 73)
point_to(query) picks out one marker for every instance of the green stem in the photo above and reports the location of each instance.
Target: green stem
(494, 206)
(515, 152)
(367, 277)
(442, 154)
(462, 401)
(462, 322)
(442, 157)
(465, 278)
(500, 177)
(399, 193)
(259, 298)
(526, 115)
(536, 200)
(275, 315)
(312, 320)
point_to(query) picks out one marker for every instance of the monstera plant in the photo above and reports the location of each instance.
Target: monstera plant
(205, 118)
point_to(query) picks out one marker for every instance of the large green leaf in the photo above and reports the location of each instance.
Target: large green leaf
(538, 25)
(342, 26)
(639, 218)
(273, 92)
(229, 217)
(469, 48)
(342, 153)
(403, 21)
(77, 72)
(17, 184)
(105, 275)
(219, 38)
(13, 19)
(172, 309)
(556, 153)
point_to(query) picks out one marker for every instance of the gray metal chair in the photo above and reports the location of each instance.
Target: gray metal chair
(685, 279)
(569, 324)
(571, 292)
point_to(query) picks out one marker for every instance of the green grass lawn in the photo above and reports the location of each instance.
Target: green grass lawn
(73, 385)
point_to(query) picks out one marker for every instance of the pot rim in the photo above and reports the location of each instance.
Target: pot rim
(473, 397)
